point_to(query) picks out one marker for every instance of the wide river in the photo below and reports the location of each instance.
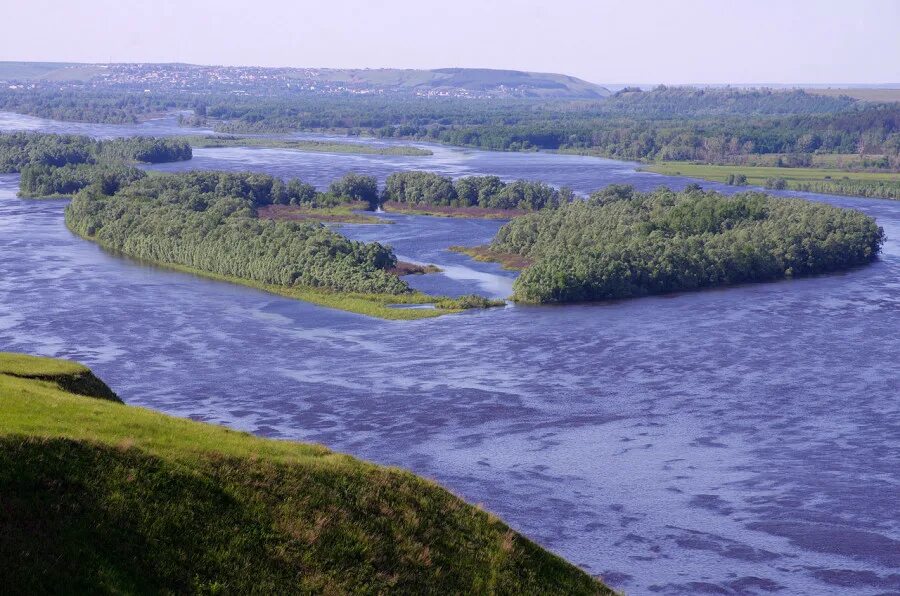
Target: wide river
(744, 440)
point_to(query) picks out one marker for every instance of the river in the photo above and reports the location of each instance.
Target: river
(741, 440)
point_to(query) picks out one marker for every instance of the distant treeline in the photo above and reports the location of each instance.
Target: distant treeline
(54, 164)
(21, 149)
(622, 243)
(666, 123)
(90, 106)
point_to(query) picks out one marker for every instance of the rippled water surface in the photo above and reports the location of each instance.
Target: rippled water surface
(744, 440)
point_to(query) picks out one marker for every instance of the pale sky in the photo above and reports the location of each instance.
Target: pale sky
(603, 41)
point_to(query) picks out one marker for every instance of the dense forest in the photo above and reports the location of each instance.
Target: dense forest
(622, 243)
(50, 181)
(666, 123)
(425, 188)
(21, 149)
(53, 164)
(206, 220)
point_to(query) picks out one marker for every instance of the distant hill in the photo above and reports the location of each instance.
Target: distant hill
(453, 82)
(474, 80)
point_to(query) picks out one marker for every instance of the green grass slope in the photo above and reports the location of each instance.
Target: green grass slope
(98, 497)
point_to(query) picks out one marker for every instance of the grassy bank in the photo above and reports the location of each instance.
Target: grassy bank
(305, 145)
(347, 213)
(99, 497)
(821, 180)
(447, 211)
(509, 261)
(382, 306)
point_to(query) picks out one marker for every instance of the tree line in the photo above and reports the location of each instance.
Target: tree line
(20, 149)
(426, 188)
(665, 123)
(53, 164)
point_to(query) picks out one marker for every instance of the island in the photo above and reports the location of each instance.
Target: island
(208, 223)
(621, 243)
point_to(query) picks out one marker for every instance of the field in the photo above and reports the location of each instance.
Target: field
(310, 146)
(447, 211)
(339, 214)
(867, 94)
(823, 180)
(101, 497)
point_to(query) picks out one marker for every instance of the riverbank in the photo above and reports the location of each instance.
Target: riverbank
(448, 211)
(104, 497)
(307, 145)
(348, 213)
(391, 307)
(484, 254)
(820, 180)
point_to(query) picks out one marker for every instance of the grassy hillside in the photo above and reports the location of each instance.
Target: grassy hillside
(101, 497)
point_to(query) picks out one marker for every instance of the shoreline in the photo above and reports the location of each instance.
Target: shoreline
(381, 306)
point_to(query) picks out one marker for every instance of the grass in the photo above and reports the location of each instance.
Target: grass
(864, 94)
(337, 214)
(305, 145)
(382, 306)
(98, 497)
(405, 268)
(447, 211)
(509, 261)
(825, 180)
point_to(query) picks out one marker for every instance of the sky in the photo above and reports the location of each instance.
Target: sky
(603, 41)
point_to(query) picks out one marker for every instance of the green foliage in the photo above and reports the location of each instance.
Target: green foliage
(883, 185)
(489, 192)
(356, 187)
(49, 181)
(623, 244)
(307, 145)
(666, 123)
(104, 498)
(21, 149)
(206, 220)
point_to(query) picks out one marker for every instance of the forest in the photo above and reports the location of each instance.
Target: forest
(54, 165)
(665, 123)
(622, 243)
(20, 149)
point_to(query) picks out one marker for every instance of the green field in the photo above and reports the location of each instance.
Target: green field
(345, 213)
(309, 146)
(862, 94)
(822, 180)
(100, 497)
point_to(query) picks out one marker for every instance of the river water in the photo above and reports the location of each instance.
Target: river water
(742, 440)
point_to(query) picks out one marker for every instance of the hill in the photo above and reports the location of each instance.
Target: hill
(100, 497)
(477, 81)
(453, 82)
